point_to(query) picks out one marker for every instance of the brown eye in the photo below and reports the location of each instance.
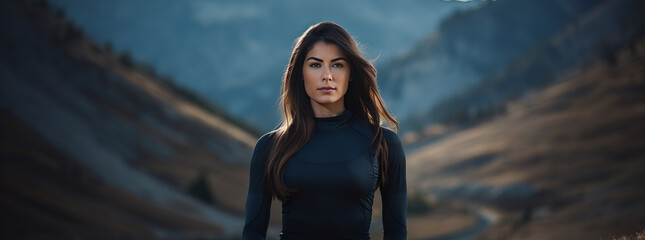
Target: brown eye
(314, 65)
(338, 65)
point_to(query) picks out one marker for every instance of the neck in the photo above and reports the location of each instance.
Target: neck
(327, 110)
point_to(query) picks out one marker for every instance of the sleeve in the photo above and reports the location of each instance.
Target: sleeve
(394, 195)
(258, 199)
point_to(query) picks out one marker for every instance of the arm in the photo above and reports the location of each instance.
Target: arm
(394, 195)
(258, 199)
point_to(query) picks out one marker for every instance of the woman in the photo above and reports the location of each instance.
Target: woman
(330, 153)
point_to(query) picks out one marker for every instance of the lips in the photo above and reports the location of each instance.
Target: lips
(327, 88)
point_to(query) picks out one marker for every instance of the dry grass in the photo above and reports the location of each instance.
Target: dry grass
(434, 225)
(581, 140)
(45, 194)
(636, 236)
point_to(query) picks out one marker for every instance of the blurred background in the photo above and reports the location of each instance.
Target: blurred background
(521, 119)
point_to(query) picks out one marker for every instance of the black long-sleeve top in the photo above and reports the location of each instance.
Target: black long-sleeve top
(335, 174)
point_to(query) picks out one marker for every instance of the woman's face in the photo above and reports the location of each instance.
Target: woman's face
(326, 75)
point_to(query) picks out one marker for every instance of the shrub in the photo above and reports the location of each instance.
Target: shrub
(638, 236)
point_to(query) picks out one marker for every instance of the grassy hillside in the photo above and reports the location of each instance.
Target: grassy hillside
(563, 163)
(48, 195)
(94, 145)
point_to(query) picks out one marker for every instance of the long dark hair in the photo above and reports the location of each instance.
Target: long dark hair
(362, 99)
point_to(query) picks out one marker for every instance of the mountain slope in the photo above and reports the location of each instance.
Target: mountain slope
(470, 46)
(47, 194)
(563, 163)
(596, 35)
(93, 146)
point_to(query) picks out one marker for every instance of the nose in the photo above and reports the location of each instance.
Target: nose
(326, 75)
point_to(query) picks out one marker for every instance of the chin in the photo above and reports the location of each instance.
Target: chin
(327, 100)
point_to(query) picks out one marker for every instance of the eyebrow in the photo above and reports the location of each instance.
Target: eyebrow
(320, 60)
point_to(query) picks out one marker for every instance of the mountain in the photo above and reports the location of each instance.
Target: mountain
(234, 52)
(427, 85)
(564, 162)
(94, 146)
(606, 28)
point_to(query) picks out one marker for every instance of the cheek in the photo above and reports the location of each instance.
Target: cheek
(345, 82)
(309, 74)
(309, 82)
(345, 88)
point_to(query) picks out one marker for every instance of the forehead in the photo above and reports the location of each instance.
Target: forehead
(325, 51)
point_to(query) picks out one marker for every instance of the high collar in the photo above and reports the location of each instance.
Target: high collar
(335, 122)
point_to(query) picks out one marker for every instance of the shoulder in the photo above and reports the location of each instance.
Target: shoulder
(391, 137)
(362, 128)
(395, 147)
(261, 150)
(267, 137)
(265, 140)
